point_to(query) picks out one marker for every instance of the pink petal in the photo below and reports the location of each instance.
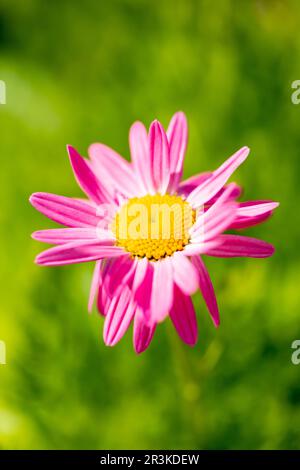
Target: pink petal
(159, 157)
(65, 210)
(143, 332)
(87, 201)
(118, 318)
(104, 299)
(235, 192)
(216, 219)
(96, 281)
(184, 273)
(162, 289)
(246, 222)
(110, 167)
(188, 185)
(119, 273)
(253, 208)
(212, 185)
(143, 290)
(251, 213)
(199, 248)
(183, 317)
(139, 148)
(86, 178)
(207, 289)
(212, 227)
(238, 246)
(177, 134)
(58, 236)
(140, 273)
(77, 252)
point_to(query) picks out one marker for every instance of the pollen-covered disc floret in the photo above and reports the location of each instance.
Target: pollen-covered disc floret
(153, 226)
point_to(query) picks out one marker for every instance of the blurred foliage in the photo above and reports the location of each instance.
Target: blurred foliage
(78, 72)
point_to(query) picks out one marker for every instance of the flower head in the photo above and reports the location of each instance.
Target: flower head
(147, 230)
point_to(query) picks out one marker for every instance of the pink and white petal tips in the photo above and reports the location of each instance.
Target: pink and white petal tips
(183, 317)
(177, 134)
(209, 188)
(159, 157)
(139, 280)
(216, 219)
(251, 213)
(207, 289)
(119, 316)
(142, 291)
(114, 170)
(77, 252)
(87, 179)
(65, 210)
(96, 281)
(184, 274)
(232, 246)
(188, 185)
(139, 149)
(162, 289)
(253, 208)
(119, 274)
(58, 236)
(143, 332)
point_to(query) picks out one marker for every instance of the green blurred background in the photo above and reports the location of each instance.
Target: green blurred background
(79, 72)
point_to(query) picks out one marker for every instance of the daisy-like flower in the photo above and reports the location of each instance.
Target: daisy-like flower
(147, 230)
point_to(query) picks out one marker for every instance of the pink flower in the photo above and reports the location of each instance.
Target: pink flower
(147, 270)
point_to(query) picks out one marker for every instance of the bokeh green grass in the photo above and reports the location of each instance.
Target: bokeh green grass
(80, 72)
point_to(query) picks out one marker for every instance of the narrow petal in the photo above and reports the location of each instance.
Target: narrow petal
(58, 236)
(139, 149)
(183, 317)
(143, 290)
(247, 222)
(143, 332)
(162, 289)
(216, 225)
(118, 318)
(96, 280)
(77, 252)
(207, 289)
(184, 274)
(140, 273)
(87, 179)
(87, 201)
(188, 185)
(119, 274)
(253, 208)
(177, 134)
(200, 248)
(159, 157)
(239, 246)
(236, 191)
(209, 188)
(250, 213)
(104, 299)
(110, 167)
(216, 219)
(65, 210)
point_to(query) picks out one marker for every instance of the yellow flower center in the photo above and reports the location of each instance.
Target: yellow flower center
(153, 226)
